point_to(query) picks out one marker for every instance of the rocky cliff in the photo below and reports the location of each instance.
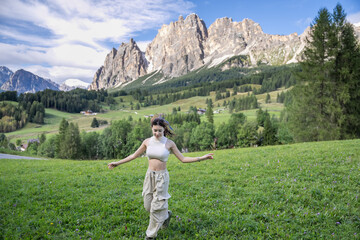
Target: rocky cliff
(178, 48)
(186, 45)
(24, 81)
(120, 66)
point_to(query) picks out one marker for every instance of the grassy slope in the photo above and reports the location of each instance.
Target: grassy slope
(299, 191)
(54, 117)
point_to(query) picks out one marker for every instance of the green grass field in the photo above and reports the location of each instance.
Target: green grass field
(299, 191)
(54, 117)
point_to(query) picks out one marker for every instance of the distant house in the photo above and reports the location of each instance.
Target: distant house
(88, 112)
(23, 147)
(201, 111)
(218, 111)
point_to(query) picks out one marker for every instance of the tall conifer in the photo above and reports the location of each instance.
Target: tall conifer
(323, 102)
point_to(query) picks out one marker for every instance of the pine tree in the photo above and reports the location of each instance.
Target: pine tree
(42, 138)
(269, 132)
(72, 142)
(347, 74)
(137, 107)
(94, 123)
(321, 102)
(60, 139)
(268, 98)
(314, 115)
(209, 112)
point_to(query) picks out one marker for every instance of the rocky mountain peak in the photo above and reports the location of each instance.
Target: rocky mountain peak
(187, 44)
(120, 66)
(178, 47)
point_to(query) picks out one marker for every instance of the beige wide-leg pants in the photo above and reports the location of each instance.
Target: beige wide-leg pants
(155, 193)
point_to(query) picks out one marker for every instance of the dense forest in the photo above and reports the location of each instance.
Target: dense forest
(73, 101)
(13, 117)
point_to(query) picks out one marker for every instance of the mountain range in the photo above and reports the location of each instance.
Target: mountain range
(186, 45)
(24, 81)
(179, 48)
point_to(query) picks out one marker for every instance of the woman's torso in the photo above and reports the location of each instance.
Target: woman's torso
(157, 151)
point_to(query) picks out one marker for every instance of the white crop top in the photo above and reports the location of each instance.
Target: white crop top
(156, 149)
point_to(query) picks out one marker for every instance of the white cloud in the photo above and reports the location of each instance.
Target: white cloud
(59, 74)
(354, 18)
(60, 62)
(143, 45)
(77, 32)
(304, 22)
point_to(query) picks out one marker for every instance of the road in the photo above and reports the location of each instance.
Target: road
(8, 156)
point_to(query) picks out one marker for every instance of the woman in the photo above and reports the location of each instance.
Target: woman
(156, 183)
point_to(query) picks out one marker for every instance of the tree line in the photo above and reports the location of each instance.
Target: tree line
(123, 137)
(72, 101)
(13, 117)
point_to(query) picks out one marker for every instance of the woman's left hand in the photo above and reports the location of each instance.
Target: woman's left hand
(208, 156)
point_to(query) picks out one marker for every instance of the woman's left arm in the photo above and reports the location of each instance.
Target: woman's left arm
(183, 159)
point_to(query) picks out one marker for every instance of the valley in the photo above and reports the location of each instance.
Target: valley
(123, 111)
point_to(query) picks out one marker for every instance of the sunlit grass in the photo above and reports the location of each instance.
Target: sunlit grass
(299, 191)
(53, 117)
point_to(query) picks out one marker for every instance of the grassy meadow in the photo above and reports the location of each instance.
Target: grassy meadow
(123, 111)
(299, 191)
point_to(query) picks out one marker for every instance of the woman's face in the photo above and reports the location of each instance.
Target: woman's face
(158, 131)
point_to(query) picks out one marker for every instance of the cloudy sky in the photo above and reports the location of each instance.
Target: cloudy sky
(69, 39)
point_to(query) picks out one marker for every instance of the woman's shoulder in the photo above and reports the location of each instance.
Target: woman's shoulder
(146, 141)
(170, 142)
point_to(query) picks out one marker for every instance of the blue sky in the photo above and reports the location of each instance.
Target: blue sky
(64, 39)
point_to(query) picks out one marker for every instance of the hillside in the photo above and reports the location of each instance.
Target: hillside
(122, 110)
(278, 192)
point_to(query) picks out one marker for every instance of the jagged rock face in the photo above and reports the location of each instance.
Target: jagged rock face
(5, 74)
(125, 64)
(23, 81)
(178, 47)
(228, 38)
(186, 45)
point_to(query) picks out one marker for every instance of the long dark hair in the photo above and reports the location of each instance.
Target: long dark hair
(158, 121)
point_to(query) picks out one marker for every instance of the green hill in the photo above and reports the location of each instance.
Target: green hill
(123, 111)
(299, 191)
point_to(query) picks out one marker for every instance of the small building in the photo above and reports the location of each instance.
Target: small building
(201, 111)
(23, 147)
(88, 112)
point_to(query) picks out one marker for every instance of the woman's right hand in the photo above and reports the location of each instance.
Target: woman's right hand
(112, 165)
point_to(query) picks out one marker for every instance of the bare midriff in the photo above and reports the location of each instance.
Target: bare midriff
(156, 165)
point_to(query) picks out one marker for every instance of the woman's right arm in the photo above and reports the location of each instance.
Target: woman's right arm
(131, 157)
